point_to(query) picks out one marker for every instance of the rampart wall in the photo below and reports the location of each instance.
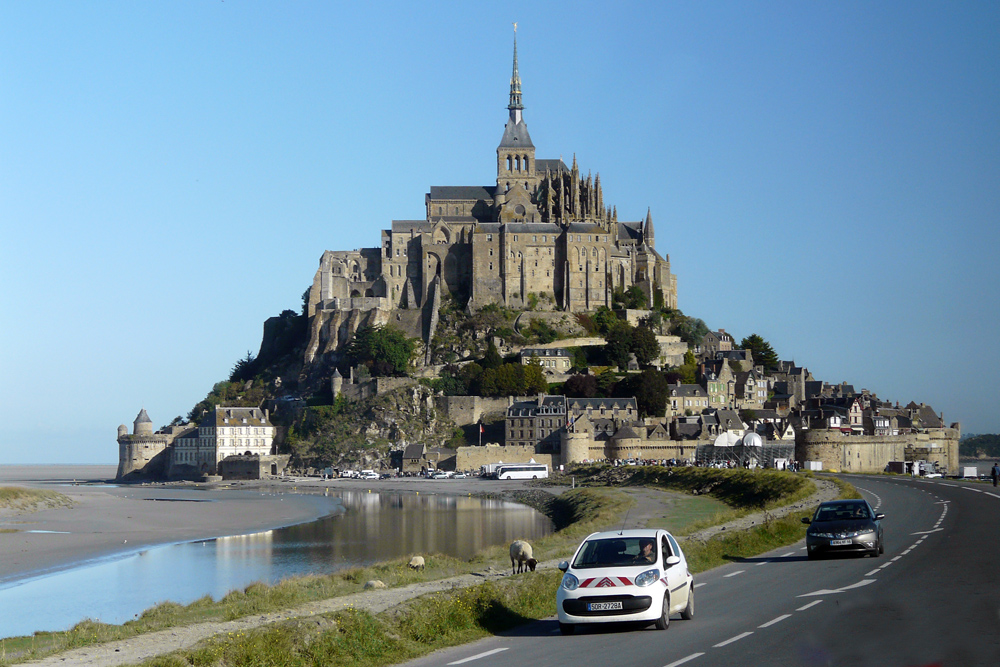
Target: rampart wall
(471, 458)
(465, 410)
(871, 453)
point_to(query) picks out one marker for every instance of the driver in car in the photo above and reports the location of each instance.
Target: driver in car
(646, 553)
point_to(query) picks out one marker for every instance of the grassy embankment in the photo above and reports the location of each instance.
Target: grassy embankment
(434, 621)
(20, 499)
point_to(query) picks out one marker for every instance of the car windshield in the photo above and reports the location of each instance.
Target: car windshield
(616, 551)
(841, 512)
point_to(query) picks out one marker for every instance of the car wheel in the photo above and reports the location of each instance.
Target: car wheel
(688, 612)
(881, 547)
(812, 555)
(663, 622)
(565, 628)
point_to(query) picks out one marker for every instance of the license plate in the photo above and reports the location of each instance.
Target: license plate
(603, 606)
(839, 543)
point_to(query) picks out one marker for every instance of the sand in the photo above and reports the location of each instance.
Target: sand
(107, 521)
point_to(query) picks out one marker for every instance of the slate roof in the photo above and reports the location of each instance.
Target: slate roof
(414, 451)
(690, 390)
(554, 166)
(629, 231)
(533, 227)
(143, 418)
(462, 192)
(515, 135)
(400, 226)
(624, 432)
(584, 228)
(597, 403)
(235, 417)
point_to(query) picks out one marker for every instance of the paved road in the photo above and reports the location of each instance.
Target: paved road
(933, 598)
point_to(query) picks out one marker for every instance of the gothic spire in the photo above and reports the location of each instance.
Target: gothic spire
(515, 105)
(647, 230)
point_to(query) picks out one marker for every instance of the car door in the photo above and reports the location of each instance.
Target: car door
(677, 576)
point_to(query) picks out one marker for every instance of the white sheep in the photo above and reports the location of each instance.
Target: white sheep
(416, 563)
(520, 553)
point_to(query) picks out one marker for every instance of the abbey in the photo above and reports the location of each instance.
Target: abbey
(541, 234)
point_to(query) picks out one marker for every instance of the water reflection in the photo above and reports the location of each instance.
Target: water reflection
(372, 527)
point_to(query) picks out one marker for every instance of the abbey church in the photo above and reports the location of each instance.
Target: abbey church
(541, 233)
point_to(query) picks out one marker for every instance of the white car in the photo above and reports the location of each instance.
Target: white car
(622, 576)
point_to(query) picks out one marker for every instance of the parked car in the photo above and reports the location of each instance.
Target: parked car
(440, 475)
(459, 475)
(369, 474)
(628, 575)
(844, 526)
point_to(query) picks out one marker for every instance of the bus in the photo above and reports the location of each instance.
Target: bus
(522, 471)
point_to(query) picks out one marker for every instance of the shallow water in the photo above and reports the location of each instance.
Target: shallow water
(373, 527)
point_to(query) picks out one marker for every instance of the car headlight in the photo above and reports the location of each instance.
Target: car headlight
(648, 577)
(570, 582)
(826, 535)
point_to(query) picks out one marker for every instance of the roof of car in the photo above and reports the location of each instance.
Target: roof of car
(845, 501)
(632, 532)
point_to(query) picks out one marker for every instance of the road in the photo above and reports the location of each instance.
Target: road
(932, 599)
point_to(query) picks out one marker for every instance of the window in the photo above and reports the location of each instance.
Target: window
(491, 252)
(534, 239)
(491, 266)
(515, 237)
(489, 237)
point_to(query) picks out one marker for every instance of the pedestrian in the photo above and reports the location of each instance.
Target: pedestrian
(995, 473)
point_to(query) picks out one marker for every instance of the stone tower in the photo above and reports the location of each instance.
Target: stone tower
(142, 425)
(516, 153)
(647, 230)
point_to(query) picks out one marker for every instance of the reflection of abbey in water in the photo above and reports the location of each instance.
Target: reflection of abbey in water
(541, 233)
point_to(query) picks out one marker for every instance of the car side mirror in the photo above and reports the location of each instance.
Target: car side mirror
(563, 566)
(806, 519)
(672, 560)
(879, 516)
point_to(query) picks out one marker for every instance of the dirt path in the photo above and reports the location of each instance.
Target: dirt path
(650, 502)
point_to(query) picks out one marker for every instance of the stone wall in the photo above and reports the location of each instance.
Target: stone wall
(465, 410)
(852, 453)
(471, 458)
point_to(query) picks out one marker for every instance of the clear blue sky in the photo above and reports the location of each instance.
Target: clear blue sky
(824, 174)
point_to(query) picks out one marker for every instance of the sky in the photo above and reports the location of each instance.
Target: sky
(826, 175)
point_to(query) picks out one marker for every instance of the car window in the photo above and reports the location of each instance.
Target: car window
(675, 548)
(610, 552)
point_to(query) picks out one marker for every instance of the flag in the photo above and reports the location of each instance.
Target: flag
(481, 429)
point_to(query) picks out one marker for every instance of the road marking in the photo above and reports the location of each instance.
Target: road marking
(991, 494)
(951, 485)
(733, 574)
(699, 585)
(683, 660)
(928, 532)
(775, 620)
(873, 572)
(896, 558)
(811, 604)
(906, 552)
(826, 591)
(478, 656)
(969, 488)
(732, 639)
(790, 553)
(765, 562)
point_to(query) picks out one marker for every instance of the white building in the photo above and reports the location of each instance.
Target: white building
(224, 432)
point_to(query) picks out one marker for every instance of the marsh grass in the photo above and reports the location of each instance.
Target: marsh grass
(26, 500)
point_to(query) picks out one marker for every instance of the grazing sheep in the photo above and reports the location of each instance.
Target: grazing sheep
(417, 563)
(520, 553)
(374, 583)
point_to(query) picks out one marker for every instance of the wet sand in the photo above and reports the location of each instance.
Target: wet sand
(106, 520)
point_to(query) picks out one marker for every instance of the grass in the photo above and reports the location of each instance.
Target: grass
(28, 500)
(425, 624)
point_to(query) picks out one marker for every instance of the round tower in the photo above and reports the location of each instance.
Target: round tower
(142, 425)
(575, 446)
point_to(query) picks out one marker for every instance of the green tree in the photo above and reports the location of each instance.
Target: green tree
(605, 320)
(581, 386)
(763, 354)
(244, 369)
(690, 329)
(650, 390)
(533, 381)
(645, 346)
(384, 350)
(619, 344)
(492, 358)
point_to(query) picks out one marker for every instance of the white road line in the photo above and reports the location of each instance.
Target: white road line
(732, 639)
(952, 485)
(733, 574)
(775, 620)
(763, 563)
(478, 656)
(896, 558)
(790, 553)
(906, 552)
(811, 604)
(683, 660)
(873, 572)
(991, 494)
(969, 488)
(928, 532)
(699, 585)
(827, 591)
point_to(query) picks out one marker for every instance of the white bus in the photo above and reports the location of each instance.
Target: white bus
(522, 471)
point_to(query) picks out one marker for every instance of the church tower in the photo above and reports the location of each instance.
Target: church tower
(516, 153)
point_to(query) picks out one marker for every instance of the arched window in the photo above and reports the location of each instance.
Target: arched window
(517, 163)
(509, 162)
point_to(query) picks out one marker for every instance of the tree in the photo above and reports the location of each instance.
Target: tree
(650, 390)
(763, 354)
(645, 346)
(605, 320)
(244, 369)
(690, 329)
(492, 358)
(384, 350)
(619, 344)
(581, 386)
(533, 377)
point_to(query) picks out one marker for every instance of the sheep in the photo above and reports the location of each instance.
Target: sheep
(416, 563)
(520, 553)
